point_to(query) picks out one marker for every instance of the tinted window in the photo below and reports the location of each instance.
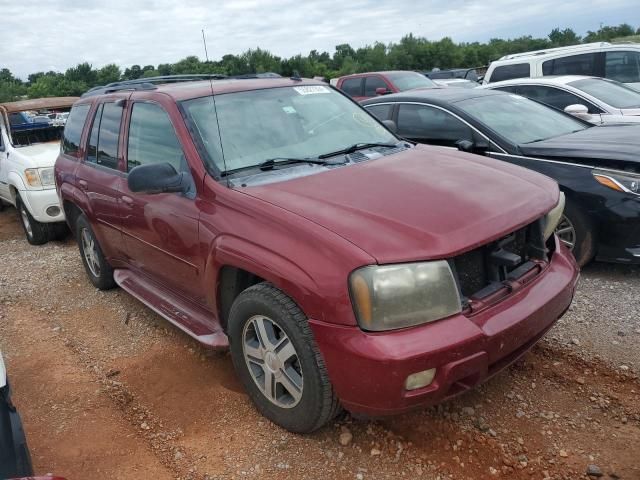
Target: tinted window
(108, 135)
(623, 66)
(370, 85)
(508, 88)
(73, 129)
(554, 97)
(352, 86)
(152, 138)
(507, 72)
(611, 93)
(583, 64)
(519, 119)
(431, 125)
(409, 80)
(17, 118)
(382, 112)
(92, 147)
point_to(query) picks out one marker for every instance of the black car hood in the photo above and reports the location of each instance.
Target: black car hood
(608, 142)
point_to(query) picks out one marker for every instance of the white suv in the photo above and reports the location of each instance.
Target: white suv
(617, 61)
(28, 152)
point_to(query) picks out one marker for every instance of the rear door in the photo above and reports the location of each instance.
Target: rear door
(100, 175)
(161, 229)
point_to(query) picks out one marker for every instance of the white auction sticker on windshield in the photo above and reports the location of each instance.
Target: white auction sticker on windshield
(311, 89)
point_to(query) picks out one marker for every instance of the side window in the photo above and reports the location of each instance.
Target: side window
(583, 64)
(509, 89)
(507, 72)
(371, 83)
(92, 147)
(381, 112)
(431, 125)
(352, 87)
(73, 129)
(152, 138)
(623, 66)
(554, 97)
(105, 134)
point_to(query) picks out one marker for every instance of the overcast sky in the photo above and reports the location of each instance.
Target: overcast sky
(56, 34)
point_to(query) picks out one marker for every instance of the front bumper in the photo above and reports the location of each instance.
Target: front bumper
(38, 201)
(368, 370)
(619, 232)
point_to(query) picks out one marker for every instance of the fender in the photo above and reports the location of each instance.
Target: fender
(70, 193)
(228, 250)
(15, 180)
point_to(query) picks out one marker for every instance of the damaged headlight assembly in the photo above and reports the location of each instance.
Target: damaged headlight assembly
(552, 219)
(388, 297)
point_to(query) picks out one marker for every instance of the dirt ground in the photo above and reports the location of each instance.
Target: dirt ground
(108, 389)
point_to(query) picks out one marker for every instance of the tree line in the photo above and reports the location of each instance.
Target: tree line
(410, 53)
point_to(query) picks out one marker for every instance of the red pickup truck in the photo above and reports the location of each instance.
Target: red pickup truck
(361, 86)
(343, 266)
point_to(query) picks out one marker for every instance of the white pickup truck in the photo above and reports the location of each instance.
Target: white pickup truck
(28, 152)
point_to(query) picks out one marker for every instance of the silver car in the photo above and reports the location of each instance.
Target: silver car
(597, 100)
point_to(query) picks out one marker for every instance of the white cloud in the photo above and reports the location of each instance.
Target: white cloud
(57, 34)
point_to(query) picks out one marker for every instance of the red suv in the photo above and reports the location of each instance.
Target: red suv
(361, 86)
(341, 265)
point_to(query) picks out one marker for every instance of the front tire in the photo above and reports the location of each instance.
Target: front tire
(95, 264)
(278, 361)
(37, 233)
(576, 231)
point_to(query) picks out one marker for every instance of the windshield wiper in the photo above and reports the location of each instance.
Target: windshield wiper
(270, 163)
(355, 147)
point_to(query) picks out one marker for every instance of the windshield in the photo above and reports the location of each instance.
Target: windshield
(612, 93)
(519, 119)
(409, 80)
(286, 122)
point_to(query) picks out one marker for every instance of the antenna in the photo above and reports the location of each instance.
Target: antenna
(214, 109)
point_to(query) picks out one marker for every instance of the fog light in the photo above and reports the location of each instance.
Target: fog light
(420, 379)
(53, 211)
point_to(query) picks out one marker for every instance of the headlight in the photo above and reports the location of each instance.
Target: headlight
(39, 177)
(396, 296)
(622, 182)
(552, 218)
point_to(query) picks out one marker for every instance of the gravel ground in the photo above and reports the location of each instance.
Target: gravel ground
(107, 389)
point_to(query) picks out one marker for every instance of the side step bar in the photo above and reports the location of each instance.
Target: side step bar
(191, 319)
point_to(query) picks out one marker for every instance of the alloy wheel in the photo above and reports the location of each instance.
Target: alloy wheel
(566, 232)
(272, 361)
(89, 249)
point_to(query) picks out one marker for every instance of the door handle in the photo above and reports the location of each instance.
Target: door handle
(83, 184)
(126, 199)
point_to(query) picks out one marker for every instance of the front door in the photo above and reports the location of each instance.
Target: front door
(100, 176)
(161, 229)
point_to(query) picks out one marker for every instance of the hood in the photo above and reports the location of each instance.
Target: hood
(423, 203)
(606, 142)
(40, 154)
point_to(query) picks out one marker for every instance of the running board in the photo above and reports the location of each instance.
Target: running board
(191, 319)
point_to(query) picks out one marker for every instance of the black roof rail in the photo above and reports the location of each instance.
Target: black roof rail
(148, 83)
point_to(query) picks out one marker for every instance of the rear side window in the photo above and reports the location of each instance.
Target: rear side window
(105, 134)
(583, 64)
(370, 85)
(432, 125)
(623, 66)
(152, 138)
(381, 112)
(507, 72)
(73, 129)
(352, 87)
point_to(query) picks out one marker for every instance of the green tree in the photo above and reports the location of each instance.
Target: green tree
(562, 38)
(108, 74)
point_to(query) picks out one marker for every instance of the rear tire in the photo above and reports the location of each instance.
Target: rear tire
(576, 231)
(278, 361)
(37, 233)
(95, 264)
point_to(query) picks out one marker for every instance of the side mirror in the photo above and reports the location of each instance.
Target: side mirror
(578, 110)
(478, 147)
(391, 125)
(156, 178)
(382, 91)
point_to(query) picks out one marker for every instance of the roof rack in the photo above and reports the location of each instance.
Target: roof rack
(557, 49)
(149, 83)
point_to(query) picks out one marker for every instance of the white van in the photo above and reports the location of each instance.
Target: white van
(617, 61)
